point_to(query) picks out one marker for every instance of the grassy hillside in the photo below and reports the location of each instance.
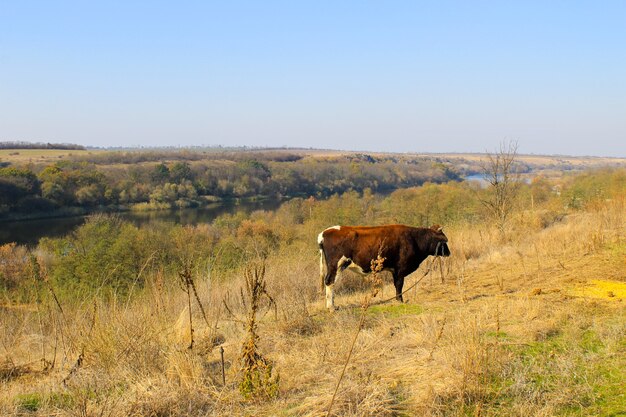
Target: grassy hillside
(531, 322)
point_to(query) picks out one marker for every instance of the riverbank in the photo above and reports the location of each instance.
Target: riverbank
(28, 231)
(204, 202)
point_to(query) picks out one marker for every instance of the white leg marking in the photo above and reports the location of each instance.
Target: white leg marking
(322, 269)
(330, 297)
(320, 240)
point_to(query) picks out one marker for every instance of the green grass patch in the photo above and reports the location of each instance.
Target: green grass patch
(29, 402)
(616, 248)
(501, 336)
(610, 393)
(590, 342)
(578, 372)
(36, 401)
(395, 310)
(63, 400)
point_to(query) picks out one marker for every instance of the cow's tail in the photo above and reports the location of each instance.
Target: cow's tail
(320, 242)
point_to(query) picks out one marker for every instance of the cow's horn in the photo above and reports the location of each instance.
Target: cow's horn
(436, 228)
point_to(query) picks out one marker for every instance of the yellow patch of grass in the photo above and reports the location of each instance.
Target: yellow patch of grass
(597, 288)
(21, 156)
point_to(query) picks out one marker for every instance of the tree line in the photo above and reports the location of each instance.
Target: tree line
(39, 145)
(135, 180)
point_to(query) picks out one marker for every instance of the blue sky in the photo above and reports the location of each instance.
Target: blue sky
(400, 76)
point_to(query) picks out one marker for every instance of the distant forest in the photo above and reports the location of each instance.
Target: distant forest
(40, 145)
(158, 179)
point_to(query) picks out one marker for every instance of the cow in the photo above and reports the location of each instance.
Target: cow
(402, 247)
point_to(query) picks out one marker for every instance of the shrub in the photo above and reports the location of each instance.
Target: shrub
(103, 254)
(14, 267)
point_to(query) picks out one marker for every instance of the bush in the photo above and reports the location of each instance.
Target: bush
(103, 254)
(14, 267)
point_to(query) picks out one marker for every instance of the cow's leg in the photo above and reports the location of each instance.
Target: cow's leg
(330, 297)
(398, 282)
(329, 282)
(322, 270)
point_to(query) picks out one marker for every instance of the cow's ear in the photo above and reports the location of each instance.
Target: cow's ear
(436, 228)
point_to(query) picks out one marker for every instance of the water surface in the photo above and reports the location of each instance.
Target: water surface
(28, 232)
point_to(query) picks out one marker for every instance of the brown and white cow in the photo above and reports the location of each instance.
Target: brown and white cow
(403, 247)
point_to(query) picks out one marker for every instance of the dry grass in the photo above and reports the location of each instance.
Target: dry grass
(578, 161)
(25, 156)
(506, 333)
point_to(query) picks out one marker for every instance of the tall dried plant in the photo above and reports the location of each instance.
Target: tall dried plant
(40, 276)
(185, 284)
(258, 378)
(188, 285)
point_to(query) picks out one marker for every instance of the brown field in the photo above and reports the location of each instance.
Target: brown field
(546, 163)
(540, 159)
(39, 156)
(533, 160)
(533, 325)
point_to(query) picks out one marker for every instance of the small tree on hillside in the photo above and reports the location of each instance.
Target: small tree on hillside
(499, 172)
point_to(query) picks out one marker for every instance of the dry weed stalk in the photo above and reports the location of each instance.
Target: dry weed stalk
(81, 356)
(439, 334)
(195, 293)
(157, 288)
(185, 281)
(500, 282)
(376, 266)
(538, 260)
(213, 338)
(521, 257)
(189, 286)
(138, 277)
(460, 282)
(40, 275)
(480, 360)
(258, 378)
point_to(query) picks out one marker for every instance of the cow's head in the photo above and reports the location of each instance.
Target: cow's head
(438, 242)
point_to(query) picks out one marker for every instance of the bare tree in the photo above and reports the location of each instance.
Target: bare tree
(499, 172)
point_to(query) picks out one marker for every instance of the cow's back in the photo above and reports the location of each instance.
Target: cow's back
(364, 243)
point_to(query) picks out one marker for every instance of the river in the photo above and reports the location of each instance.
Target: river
(28, 232)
